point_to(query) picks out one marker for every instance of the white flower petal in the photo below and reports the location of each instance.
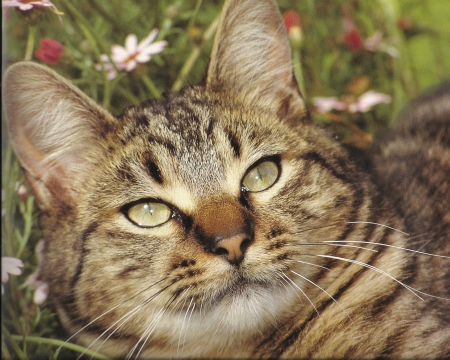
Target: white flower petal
(131, 44)
(40, 295)
(325, 104)
(118, 53)
(155, 48)
(369, 99)
(25, 7)
(12, 266)
(142, 58)
(112, 74)
(148, 40)
(373, 43)
(130, 65)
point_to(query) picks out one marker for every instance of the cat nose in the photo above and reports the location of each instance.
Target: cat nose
(232, 248)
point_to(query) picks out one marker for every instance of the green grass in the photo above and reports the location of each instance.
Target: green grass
(324, 66)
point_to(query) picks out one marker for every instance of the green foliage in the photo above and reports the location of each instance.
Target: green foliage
(324, 66)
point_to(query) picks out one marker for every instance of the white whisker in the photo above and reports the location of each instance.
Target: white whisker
(312, 264)
(304, 294)
(413, 291)
(326, 292)
(387, 245)
(123, 319)
(378, 224)
(182, 324)
(106, 312)
(147, 333)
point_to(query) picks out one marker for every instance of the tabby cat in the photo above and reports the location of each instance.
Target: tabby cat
(220, 222)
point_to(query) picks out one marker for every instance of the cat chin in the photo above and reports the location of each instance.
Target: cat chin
(241, 314)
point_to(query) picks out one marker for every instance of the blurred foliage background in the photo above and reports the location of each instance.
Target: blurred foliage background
(331, 56)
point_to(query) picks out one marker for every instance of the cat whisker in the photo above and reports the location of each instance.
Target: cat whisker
(122, 320)
(108, 311)
(182, 324)
(409, 288)
(312, 264)
(147, 333)
(368, 266)
(322, 289)
(387, 245)
(316, 228)
(189, 319)
(304, 294)
(330, 243)
(378, 224)
(201, 305)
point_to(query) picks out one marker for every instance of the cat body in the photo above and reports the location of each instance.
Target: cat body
(268, 240)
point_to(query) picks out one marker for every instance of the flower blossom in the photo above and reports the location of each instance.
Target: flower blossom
(375, 43)
(26, 5)
(126, 58)
(50, 51)
(291, 20)
(354, 40)
(363, 103)
(40, 287)
(12, 266)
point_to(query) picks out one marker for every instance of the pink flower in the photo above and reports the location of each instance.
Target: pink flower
(126, 58)
(363, 103)
(291, 20)
(40, 287)
(367, 100)
(25, 5)
(109, 67)
(12, 266)
(50, 51)
(375, 43)
(326, 104)
(353, 40)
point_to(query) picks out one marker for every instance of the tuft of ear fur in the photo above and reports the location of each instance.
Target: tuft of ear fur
(251, 56)
(54, 129)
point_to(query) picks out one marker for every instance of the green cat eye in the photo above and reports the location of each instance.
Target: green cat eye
(149, 214)
(261, 176)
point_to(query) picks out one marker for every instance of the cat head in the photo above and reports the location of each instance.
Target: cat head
(193, 206)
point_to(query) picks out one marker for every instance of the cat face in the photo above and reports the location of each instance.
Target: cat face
(198, 165)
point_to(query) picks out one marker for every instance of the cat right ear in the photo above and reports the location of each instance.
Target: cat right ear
(251, 56)
(54, 129)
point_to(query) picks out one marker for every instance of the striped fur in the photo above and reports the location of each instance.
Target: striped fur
(328, 267)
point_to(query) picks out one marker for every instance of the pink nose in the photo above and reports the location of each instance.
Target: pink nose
(233, 248)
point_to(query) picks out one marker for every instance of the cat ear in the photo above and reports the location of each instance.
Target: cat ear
(54, 129)
(251, 55)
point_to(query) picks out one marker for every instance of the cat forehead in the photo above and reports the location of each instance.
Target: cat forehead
(198, 139)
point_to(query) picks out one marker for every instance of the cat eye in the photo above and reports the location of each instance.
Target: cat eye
(261, 176)
(149, 214)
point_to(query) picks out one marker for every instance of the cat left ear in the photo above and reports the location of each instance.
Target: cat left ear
(55, 130)
(251, 56)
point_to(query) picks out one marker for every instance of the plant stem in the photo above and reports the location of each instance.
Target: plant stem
(298, 73)
(12, 339)
(30, 43)
(187, 67)
(60, 344)
(151, 87)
